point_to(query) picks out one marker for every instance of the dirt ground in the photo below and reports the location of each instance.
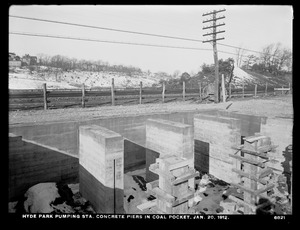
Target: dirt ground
(271, 106)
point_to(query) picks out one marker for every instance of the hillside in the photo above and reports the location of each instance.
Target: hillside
(23, 78)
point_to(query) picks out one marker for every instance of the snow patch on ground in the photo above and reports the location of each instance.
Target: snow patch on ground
(39, 198)
(19, 79)
(18, 83)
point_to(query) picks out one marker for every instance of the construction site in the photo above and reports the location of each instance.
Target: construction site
(176, 158)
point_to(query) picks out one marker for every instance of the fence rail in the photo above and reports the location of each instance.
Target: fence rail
(56, 98)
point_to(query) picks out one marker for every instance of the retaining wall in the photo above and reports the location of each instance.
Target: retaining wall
(30, 163)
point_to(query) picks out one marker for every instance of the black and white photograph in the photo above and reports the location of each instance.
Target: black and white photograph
(178, 112)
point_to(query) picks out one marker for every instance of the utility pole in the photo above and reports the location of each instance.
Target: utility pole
(214, 40)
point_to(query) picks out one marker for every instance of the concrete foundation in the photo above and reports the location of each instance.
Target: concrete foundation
(101, 171)
(46, 151)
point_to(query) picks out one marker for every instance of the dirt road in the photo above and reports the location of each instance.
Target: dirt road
(279, 106)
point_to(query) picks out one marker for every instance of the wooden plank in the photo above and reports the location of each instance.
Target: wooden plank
(147, 205)
(250, 161)
(265, 172)
(282, 89)
(185, 177)
(163, 195)
(151, 185)
(180, 200)
(181, 164)
(239, 201)
(252, 177)
(259, 153)
(254, 153)
(262, 190)
(254, 138)
(251, 191)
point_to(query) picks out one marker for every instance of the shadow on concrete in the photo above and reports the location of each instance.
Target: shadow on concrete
(102, 198)
(134, 156)
(30, 164)
(201, 156)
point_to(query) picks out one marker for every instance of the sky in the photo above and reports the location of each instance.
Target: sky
(247, 26)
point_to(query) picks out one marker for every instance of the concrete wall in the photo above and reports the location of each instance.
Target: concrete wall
(134, 156)
(30, 163)
(101, 172)
(165, 137)
(214, 137)
(64, 135)
(280, 131)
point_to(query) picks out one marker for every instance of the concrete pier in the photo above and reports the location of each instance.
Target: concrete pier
(165, 138)
(101, 168)
(214, 138)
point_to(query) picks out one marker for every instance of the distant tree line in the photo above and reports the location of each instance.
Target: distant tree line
(273, 59)
(68, 64)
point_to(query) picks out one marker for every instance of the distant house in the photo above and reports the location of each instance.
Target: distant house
(29, 60)
(14, 60)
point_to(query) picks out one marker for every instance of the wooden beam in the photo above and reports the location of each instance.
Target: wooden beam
(250, 161)
(183, 90)
(112, 92)
(147, 205)
(248, 190)
(83, 96)
(264, 189)
(163, 92)
(252, 177)
(141, 89)
(45, 96)
(239, 201)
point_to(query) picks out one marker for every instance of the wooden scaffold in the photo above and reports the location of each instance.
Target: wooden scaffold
(251, 168)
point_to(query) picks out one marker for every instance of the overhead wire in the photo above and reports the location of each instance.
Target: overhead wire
(127, 31)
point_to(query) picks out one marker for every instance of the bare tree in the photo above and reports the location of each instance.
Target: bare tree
(249, 61)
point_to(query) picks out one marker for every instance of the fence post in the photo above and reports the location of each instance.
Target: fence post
(282, 90)
(141, 86)
(183, 90)
(223, 89)
(255, 90)
(289, 88)
(112, 92)
(45, 96)
(163, 92)
(266, 90)
(229, 90)
(200, 92)
(83, 96)
(243, 89)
